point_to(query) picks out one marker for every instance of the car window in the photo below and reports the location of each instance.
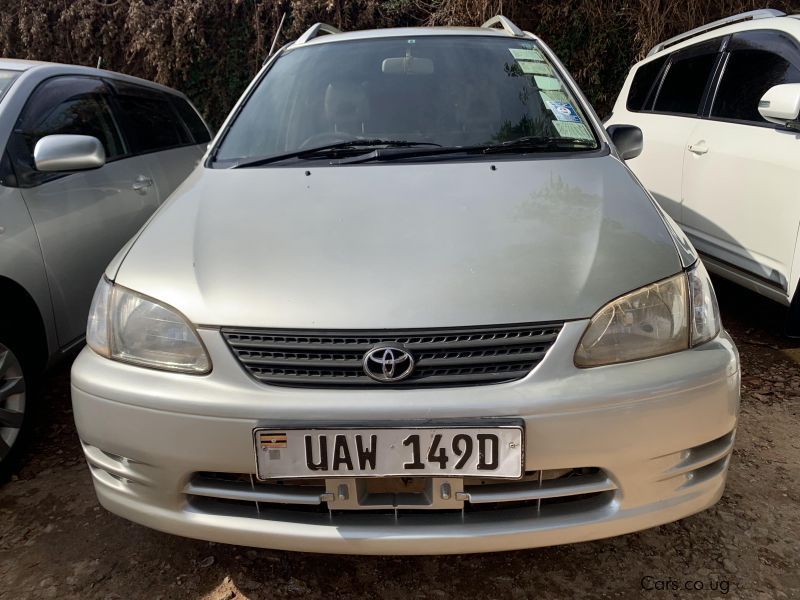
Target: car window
(643, 83)
(7, 77)
(686, 79)
(63, 105)
(71, 106)
(192, 120)
(447, 90)
(151, 124)
(753, 67)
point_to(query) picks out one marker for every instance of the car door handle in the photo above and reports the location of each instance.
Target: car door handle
(142, 183)
(699, 148)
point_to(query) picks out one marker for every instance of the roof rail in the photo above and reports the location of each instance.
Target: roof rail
(753, 15)
(507, 25)
(315, 30)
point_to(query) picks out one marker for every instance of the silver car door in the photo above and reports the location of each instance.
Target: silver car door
(159, 134)
(82, 218)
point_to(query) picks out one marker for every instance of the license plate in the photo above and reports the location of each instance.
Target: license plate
(390, 452)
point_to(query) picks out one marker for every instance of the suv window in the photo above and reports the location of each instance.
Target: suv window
(6, 79)
(151, 122)
(643, 82)
(192, 120)
(63, 105)
(447, 90)
(687, 77)
(757, 62)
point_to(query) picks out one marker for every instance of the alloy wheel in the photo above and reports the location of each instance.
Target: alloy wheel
(12, 400)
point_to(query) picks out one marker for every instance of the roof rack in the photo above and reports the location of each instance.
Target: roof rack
(753, 15)
(315, 30)
(507, 25)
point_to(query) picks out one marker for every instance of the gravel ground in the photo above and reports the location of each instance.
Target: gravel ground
(56, 542)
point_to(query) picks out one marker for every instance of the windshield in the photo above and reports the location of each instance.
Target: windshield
(451, 91)
(6, 79)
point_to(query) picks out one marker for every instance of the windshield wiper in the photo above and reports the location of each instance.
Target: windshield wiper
(520, 145)
(360, 146)
(538, 143)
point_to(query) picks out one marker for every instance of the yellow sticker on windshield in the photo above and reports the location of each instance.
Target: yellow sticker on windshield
(554, 96)
(572, 130)
(527, 54)
(544, 82)
(534, 68)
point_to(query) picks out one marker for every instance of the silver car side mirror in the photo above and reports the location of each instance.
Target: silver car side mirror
(68, 153)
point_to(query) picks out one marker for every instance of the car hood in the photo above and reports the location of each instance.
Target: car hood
(402, 245)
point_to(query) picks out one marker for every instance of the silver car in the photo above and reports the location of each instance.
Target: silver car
(87, 157)
(413, 303)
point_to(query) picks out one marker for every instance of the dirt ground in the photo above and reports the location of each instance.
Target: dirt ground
(56, 542)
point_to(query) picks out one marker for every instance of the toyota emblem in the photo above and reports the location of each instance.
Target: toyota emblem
(388, 363)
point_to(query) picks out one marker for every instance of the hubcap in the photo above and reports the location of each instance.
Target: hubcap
(12, 400)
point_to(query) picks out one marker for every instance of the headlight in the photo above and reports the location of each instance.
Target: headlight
(129, 327)
(660, 318)
(705, 311)
(647, 322)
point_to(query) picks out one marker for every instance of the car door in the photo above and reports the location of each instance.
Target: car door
(83, 218)
(741, 203)
(668, 118)
(169, 145)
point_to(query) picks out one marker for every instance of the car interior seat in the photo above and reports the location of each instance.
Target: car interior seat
(347, 107)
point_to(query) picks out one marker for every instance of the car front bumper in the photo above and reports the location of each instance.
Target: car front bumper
(660, 431)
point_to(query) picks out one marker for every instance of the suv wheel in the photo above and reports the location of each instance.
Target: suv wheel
(12, 408)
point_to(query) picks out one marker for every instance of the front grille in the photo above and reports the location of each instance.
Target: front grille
(444, 357)
(241, 494)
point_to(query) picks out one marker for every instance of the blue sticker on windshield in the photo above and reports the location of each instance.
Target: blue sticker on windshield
(563, 111)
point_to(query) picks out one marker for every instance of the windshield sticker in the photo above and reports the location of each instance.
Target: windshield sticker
(563, 111)
(556, 96)
(543, 82)
(534, 68)
(526, 54)
(572, 130)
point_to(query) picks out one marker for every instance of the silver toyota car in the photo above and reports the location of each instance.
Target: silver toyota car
(412, 302)
(86, 157)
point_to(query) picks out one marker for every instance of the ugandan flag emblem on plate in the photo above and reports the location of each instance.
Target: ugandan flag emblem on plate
(272, 440)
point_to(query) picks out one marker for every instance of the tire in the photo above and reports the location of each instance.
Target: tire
(15, 405)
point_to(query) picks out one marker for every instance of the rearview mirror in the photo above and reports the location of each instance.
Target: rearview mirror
(407, 65)
(68, 153)
(781, 104)
(628, 139)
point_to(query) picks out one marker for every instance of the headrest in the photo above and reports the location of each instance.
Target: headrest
(346, 103)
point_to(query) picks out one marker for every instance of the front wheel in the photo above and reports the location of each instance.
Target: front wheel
(13, 407)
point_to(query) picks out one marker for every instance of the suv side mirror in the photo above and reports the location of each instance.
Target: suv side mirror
(628, 139)
(781, 105)
(68, 153)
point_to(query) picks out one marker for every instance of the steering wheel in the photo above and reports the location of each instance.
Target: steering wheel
(327, 137)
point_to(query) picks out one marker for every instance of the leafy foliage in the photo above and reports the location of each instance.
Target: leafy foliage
(210, 49)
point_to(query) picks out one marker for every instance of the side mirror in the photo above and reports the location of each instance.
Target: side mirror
(68, 153)
(628, 139)
(781, 104)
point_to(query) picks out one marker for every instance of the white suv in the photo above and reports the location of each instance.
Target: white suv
(718, 107)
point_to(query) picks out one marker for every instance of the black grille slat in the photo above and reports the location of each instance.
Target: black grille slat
(448, 357)
(318, 363)
(409, 342)
(530, 357)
